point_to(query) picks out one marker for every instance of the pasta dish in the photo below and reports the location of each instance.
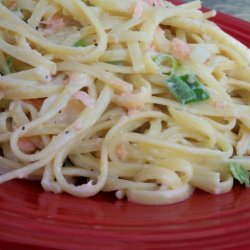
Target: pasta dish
(146, 99)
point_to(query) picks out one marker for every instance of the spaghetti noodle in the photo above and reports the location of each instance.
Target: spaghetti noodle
(144, 98)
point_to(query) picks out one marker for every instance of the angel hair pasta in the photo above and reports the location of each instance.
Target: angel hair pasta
(144, 98)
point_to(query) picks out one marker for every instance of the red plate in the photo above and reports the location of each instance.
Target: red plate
(33, 219)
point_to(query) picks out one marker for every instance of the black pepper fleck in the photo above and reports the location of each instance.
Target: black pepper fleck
(60, 111)
(66, 132)
(96, 44)
(23, 128)
(37, 27)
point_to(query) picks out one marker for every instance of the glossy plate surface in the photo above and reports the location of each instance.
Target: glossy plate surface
(33, 219)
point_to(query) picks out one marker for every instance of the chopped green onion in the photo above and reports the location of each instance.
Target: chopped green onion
(239, 173)
(197, 87)
(81, 43)
(118, 63)
(186, 88)
(180, 89)
(161, 58)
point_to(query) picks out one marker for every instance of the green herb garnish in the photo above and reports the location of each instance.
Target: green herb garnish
(81, 43)
(161, 58)
(182, 92)
(184, 86)
(239, 173)
(196, 86)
